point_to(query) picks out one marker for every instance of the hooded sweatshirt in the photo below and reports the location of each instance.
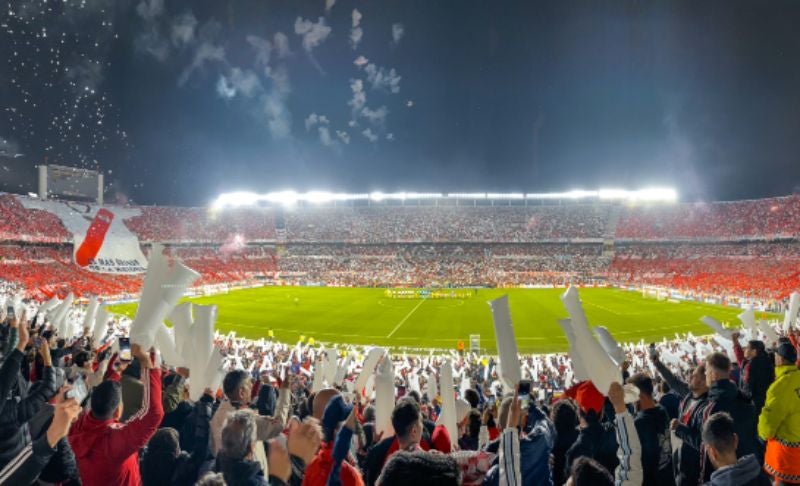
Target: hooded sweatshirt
(746, 472)
(107, 451)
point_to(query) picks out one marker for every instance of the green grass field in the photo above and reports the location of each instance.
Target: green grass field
(367, 316)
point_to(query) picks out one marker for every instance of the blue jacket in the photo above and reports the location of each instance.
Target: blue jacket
(534, 448)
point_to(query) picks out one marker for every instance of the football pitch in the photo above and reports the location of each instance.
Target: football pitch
(368, 316)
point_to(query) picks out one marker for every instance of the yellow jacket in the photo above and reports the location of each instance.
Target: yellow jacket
(780, 418)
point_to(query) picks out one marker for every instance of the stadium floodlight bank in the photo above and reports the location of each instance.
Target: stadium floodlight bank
(291, 198)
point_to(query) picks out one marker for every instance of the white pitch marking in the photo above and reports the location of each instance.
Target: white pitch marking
(403, 321)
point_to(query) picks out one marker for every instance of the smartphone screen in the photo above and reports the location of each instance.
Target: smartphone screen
(125, 349)
(524, 393)
(79, 390)
(10, 312)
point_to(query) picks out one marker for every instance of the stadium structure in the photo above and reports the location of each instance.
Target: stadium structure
(732, 250)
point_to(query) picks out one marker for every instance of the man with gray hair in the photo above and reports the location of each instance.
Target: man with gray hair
(238, 385)
(236, 457)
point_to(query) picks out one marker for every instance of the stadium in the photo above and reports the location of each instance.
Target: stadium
(399, 242)
(655, 267)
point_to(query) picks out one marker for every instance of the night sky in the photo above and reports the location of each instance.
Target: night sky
(177, 101)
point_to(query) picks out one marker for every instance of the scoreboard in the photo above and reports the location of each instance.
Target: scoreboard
(70, 183)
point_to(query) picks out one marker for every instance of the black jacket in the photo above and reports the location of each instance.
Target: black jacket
(564, 441)
(686, 459)
(725, 396)
(242, 473)
(19, 404)
(25, 467)
(758, 374)
(652, 426)
(597, 441)
(61, 468)
(266, 400)
(186, 467)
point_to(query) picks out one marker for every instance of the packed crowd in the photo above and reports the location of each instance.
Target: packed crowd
(761, 218)
(756, 219)
(198, 225)
(757, 270)
(720, 269)
(446, 224)
(83, 408)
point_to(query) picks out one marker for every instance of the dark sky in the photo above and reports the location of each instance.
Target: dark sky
(177, 101)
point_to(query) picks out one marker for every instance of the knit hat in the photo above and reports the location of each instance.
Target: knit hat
(335, 412)
(787, 351)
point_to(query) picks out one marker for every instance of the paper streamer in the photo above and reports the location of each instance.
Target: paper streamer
(432, 388)
(510, 372)
(448, 415)
(165, 343)
(91, 311)
(162, 288)
(202, 332)
(373, 356)
(599, 366)
(181, 319)
(770, 336)
(341, 371)
(610, 345)
(748, 318)
(47, 306)
(716, 326)
(384, 398)
(212, 377)
(100, 325)
(331, 365)
(319, 375)
(59, 320)
(791, 313)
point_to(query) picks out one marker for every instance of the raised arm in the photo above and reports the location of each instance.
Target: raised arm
(629, 472)
(144, 423)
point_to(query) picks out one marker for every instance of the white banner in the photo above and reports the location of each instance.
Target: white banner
(119, 250)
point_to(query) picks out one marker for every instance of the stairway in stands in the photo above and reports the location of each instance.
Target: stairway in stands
(614, 214)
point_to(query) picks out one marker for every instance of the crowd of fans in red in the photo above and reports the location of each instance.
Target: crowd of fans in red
(715, 248)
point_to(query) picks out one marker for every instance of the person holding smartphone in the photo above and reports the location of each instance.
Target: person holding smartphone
(20, 404)
(107, 450)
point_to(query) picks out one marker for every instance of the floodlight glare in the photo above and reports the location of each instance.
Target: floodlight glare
(290, 197)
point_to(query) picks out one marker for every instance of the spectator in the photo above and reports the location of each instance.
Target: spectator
(107, 450)
(596, 440)
(652, 426)
(668, 400)
(236, 456)
(165, 464)
(724, 396)
(757, 370)
(629, 472)
(779, 423)
(565, 419)
(20, 402)
(720, 441)
(689, 425)
(25, 467)
(420, 468)
(237, 387)
(585, 471)
(408, 429)
(324, 463)
(534, 447)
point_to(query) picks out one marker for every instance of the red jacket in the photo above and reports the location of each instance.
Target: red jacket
(107, 451)
(318, 470)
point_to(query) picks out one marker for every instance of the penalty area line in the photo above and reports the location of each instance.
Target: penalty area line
(403, 321)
